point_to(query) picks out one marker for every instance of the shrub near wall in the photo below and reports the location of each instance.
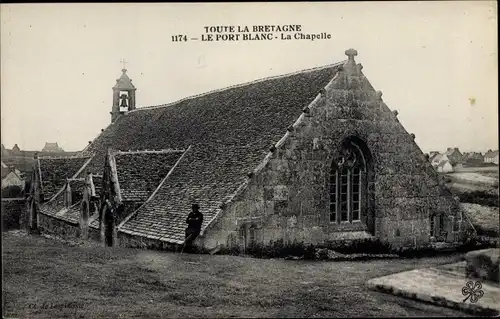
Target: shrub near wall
(280, 249)
(12, 211)
(358, 249)
(12, 192)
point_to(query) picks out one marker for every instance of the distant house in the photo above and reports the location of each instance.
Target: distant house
(432, 154)
(445, 167)
(23, 160)
(454, 155)
(5, 152)
(23, 163)
(5, 170)
(491, 157)
(13, 178)
(52, 147)
(441, 163)
(473, 158)
(436, 159)
(16, 149)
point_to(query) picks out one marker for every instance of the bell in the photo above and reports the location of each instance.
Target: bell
(123, 102)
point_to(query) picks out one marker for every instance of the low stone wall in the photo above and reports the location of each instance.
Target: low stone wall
(131, 241)
(12, 212)
(61, 228)
(94, 234)
(483, 264)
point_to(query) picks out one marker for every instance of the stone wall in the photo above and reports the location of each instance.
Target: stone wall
(289, 199)
(131, 241)
(13, 210)
(61, 228)
(95, 234)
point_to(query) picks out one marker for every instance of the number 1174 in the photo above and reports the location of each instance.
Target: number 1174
(179, 38)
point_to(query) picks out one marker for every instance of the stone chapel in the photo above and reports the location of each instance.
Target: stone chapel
(314, 156)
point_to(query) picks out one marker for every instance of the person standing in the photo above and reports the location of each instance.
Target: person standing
(194, 221)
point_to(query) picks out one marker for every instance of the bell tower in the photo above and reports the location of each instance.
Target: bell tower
(123, 95)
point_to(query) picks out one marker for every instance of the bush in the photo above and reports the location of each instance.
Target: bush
(277, 249)
(478, 242)
(12, 192)
(365, 245)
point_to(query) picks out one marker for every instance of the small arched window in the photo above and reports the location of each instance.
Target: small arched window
(347, 184)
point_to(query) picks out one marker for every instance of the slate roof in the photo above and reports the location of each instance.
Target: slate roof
(139, 173)
(53, 206)
(54, 172)
(97, 180)
(56, 206)
(230, 132)
(94, 221)
(77, 187)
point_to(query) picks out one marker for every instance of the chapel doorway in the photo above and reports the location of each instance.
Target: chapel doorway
(108, 225)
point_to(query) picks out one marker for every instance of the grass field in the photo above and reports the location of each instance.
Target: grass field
(482, 179)
(475, 185)
(477, 188)
(43, 278)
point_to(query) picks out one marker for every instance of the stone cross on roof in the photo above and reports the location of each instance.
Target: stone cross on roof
(351, 53)
(124, 64)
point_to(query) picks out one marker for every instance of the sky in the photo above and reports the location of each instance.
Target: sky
(435, 62)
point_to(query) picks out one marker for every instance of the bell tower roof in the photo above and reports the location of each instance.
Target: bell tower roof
(124, 82)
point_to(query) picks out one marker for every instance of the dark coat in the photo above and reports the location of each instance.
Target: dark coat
(194, 221)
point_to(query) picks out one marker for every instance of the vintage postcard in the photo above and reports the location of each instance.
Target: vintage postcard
(302, 159)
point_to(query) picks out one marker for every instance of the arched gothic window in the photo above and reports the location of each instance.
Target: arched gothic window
(347, 184)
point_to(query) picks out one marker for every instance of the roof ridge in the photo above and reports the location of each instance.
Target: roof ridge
(64, 157)
(237, 86)
(146, 151)
(111, 161)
